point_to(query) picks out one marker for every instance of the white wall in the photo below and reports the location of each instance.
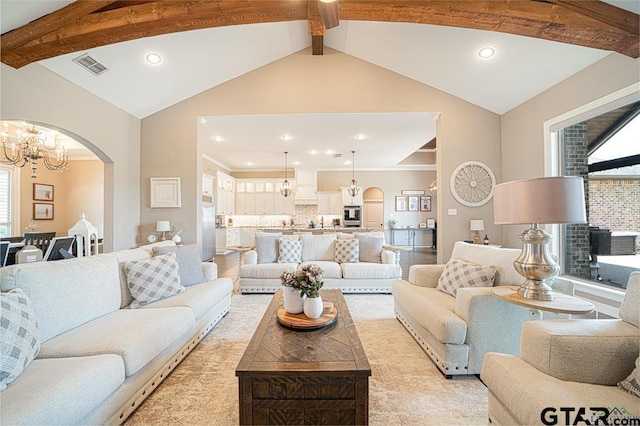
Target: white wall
(303, 83)
(35, 94)
(523, 127)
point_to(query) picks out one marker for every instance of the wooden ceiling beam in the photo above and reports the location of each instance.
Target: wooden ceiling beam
(539, 19)
(87, 24)
(131, 22)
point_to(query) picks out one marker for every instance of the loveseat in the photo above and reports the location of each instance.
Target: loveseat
(98, 357)
(569, 369)
(353, 263)
(457, 326)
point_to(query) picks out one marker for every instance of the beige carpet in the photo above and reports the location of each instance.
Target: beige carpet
(405, 387)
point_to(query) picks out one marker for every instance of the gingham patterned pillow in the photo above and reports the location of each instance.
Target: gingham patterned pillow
(153, 279)
(19, 338)
(290, 251)
(347, 251)
(459, 273)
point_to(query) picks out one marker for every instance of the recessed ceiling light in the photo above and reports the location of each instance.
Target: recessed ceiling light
(314, 152)
(329, 152)
(249, 163)
(347, 162)
(360, 136)
(296, 163)
(203, 120)
(217, 138)
(486, 52)
(153, 58)
(286, 137)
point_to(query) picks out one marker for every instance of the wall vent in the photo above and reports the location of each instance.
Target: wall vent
(90, 64)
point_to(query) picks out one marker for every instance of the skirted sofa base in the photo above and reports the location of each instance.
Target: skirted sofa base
(260, 285)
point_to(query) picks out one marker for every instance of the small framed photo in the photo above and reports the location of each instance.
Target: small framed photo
(42, 211)
(431, 223)
(42, 192)
(401, 203)
(413, 203)
(425, 203)
(165, 192)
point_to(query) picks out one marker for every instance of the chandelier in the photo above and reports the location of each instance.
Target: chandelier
(30, 146)
(286, 186)
(353, 186)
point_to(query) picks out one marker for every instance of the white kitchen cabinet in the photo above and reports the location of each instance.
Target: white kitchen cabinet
(348, 200)
(329, 203)
(207, 184)
(226, 237)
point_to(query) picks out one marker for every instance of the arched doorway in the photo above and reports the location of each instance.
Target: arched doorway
(81, 189)
(373, 208)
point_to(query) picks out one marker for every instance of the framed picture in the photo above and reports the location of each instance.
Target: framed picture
(431, 223)
(42, 211)
(401, 204)
(413, 203)
(42, 192)
(425, 203)
(165, 192)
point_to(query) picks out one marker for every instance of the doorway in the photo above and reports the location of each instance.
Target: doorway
(373, 208)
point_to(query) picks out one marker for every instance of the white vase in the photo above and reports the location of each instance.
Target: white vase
(313, 307)
(293, 302)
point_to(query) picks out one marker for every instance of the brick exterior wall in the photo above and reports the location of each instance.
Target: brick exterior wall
(575, 155)
(614, 204)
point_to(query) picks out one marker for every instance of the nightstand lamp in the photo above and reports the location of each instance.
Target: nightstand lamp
(550, 200)
(476, 225)
(163, 226)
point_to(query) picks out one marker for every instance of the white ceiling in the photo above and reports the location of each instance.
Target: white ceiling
(441, 57)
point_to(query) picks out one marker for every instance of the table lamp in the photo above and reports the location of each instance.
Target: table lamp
(550, 200)
(476, 225)
(163, 226)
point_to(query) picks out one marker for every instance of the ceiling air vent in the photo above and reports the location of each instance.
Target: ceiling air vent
(90, 64)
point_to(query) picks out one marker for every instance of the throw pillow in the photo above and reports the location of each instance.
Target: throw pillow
(153, 279)
(347, 251)
(290, 251)
(370, 248)
(632, 383)
(459, 273)
(267, 247)
(19, 339)
(189, 263)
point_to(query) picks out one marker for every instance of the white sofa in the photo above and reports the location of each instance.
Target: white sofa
(456, 332)
(571, 364)
(373, 272)
(98, 359)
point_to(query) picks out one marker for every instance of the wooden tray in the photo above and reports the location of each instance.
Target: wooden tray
(302, 322)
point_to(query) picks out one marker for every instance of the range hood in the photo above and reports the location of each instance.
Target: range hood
(306, 186)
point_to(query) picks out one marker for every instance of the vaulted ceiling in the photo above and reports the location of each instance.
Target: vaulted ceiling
(205, 43)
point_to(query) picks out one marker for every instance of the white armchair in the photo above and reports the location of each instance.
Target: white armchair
(570, 364)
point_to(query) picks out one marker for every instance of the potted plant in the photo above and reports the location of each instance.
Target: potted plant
(291, 293)
(310, 279)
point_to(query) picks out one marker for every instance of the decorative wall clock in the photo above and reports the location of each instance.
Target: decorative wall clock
(472, 183)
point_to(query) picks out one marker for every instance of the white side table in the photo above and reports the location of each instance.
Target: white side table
(396, 250)
(241, 250)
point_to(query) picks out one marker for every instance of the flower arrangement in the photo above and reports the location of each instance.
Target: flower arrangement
(307, 279)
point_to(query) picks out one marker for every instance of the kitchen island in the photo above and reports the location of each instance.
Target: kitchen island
(316, 231)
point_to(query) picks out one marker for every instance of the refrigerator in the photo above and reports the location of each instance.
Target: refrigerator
(208, 231)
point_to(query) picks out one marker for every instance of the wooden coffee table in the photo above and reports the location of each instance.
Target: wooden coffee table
(291, 376)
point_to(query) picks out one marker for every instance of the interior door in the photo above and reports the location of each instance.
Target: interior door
(373, 215)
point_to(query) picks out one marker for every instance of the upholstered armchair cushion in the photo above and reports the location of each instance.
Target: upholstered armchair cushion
(630, 308)
(598, 351)
(425, 275)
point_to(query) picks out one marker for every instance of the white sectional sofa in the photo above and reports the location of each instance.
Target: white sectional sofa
(456, 332)
(99, 359)
(372, 269)
(567, 369)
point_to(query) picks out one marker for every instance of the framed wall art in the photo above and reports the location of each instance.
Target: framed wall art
(425, 203)
(413, 203)
(165, 193)
(401, 203)
(42, 192)
(42, 211)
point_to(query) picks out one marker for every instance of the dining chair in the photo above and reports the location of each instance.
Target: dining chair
(39, 239)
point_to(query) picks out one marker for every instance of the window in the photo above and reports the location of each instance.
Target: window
(8, 201)
(604, 151)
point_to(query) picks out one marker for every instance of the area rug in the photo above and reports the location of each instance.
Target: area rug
(405, 388)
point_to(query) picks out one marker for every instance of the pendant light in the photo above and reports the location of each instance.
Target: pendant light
(353, 186)
(286, 186)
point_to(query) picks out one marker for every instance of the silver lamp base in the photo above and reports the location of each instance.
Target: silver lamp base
(536, 265)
